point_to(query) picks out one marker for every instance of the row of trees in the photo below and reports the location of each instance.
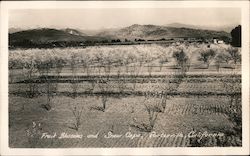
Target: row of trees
(52, 65)
(155, 101)
(231, 54)
(43, 64)
(207, 56)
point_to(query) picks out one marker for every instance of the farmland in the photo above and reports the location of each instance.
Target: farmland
(125, 96)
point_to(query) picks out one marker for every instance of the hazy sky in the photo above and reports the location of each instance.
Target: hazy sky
(110, 18)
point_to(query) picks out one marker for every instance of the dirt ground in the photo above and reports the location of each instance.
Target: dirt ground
(182, 115)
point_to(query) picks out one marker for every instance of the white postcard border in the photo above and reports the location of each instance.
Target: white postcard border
(6, 6)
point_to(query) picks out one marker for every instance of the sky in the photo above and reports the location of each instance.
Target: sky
(94, 18)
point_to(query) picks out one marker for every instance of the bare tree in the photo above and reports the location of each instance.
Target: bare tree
(75, 79)
(134, 72)
(58, 65)
(118, 64)
(107, 64)
(130, 59)
(162, 60)
(86, 64)
(152, 117)
(77, 112)
(44, 67)
(150, 69)
(155, 101)
(29, 71)
(104, 88)
(152, 111)
(166, 87)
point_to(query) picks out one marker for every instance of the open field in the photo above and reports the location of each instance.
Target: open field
(182, 115)
(131, 96)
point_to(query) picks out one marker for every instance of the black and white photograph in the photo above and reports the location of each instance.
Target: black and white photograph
(130, 77)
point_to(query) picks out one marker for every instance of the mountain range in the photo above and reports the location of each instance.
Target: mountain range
(226, 28)
(136, 31)
(154, 32)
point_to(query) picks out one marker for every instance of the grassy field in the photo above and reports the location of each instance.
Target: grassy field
(134, 104)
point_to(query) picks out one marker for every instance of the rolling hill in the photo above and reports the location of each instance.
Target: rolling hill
(158, 32)
(226, 28)
(48, 37)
